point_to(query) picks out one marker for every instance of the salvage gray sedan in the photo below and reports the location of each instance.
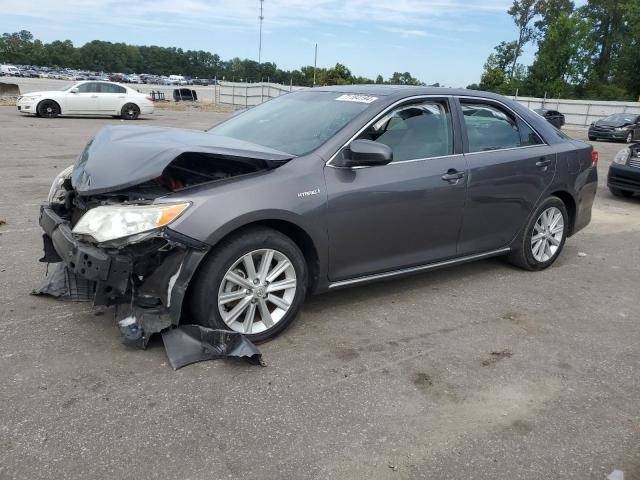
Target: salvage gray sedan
(315, 190)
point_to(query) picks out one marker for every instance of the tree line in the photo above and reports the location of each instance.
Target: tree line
(588, 52)
(99, 56)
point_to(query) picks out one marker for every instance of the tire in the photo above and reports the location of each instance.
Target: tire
(526, 256)
(48, 109)
(620, 193)
(130, 111)
(249, 300)
(592, 138)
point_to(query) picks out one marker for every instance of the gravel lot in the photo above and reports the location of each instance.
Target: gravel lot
(478, 371)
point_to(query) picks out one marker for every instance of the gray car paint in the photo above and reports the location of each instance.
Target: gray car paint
(353, 220)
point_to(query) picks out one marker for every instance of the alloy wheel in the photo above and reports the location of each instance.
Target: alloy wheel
(630, 137)
(548, 232)
(257, 291)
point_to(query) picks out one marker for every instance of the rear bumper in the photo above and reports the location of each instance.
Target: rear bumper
(624, 178)
(146, 109)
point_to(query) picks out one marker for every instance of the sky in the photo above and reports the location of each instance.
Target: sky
(445, 41)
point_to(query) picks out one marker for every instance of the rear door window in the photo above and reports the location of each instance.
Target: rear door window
(490, 127)
(111, 88)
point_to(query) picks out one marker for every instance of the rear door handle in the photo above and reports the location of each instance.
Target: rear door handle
(543, 163)
(452, 176)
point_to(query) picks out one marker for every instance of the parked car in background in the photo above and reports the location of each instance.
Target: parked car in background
(554, 117)
(87, 98)
(309, 192)
(623, 127)
(623, 179)
(30, 73)
(9, 70)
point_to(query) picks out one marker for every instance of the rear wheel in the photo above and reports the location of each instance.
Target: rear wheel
(544, 236)
(48, 109)
(254, 283)
(592, 138)
(130, 111)
(620, 193)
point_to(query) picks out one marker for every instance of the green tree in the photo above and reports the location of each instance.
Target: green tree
(522, 12)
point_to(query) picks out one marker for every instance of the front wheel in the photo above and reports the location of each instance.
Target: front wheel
(48, 109)
(544, 236)
(130, 111)
(629, 138)
(254, 283)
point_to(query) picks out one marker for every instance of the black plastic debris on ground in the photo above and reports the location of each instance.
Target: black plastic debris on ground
(64, 284)
(192, 343)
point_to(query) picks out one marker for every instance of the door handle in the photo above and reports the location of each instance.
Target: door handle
(452, 176)
(543, 163)
(94, 96)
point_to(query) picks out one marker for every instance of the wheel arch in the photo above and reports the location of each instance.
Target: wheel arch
(295, 232)
(570, 204)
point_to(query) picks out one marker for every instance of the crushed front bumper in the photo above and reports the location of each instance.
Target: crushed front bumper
(148, 292)
(608, 134)
(111, 272)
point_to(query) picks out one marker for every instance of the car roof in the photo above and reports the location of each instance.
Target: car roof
(406, 91)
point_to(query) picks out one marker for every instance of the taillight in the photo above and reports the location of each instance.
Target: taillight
(594, 158)
(149, 98)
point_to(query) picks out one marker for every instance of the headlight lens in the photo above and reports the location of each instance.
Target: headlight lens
(114, 222)
(57, 191)
(622, 156)
(620, 129)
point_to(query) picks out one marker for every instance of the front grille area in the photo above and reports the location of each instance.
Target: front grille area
(634, 162)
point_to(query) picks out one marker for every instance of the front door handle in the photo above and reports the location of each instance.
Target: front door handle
(452, 176)
(94, 96)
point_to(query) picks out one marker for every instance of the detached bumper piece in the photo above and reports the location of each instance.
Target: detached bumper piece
(189, 344)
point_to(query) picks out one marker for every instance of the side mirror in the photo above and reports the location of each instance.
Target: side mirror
(73, 90)
(367, 153)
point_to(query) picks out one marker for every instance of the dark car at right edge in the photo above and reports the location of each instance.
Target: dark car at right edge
(621, 127)
(623, 179)
(309, 192)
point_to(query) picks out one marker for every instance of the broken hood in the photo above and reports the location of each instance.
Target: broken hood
(123, 156)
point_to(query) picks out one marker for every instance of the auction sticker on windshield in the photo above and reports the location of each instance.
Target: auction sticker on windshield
(356, 98)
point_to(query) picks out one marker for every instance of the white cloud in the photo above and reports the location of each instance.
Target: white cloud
(413, 16)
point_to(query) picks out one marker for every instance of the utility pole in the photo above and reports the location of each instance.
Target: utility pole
(261, 17)
(315, 62)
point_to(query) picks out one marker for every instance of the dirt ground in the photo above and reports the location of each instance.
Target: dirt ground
(479, 371)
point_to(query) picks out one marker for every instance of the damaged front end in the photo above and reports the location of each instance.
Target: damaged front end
(145, 280)
(109, 230)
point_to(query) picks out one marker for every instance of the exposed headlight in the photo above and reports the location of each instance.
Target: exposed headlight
(622, 156)
(57, 191)
(114, 222)
(620, 129)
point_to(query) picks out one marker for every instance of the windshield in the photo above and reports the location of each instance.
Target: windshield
(296, 123)
(621, 117)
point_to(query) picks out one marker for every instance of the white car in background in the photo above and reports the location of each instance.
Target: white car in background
(87, 98)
